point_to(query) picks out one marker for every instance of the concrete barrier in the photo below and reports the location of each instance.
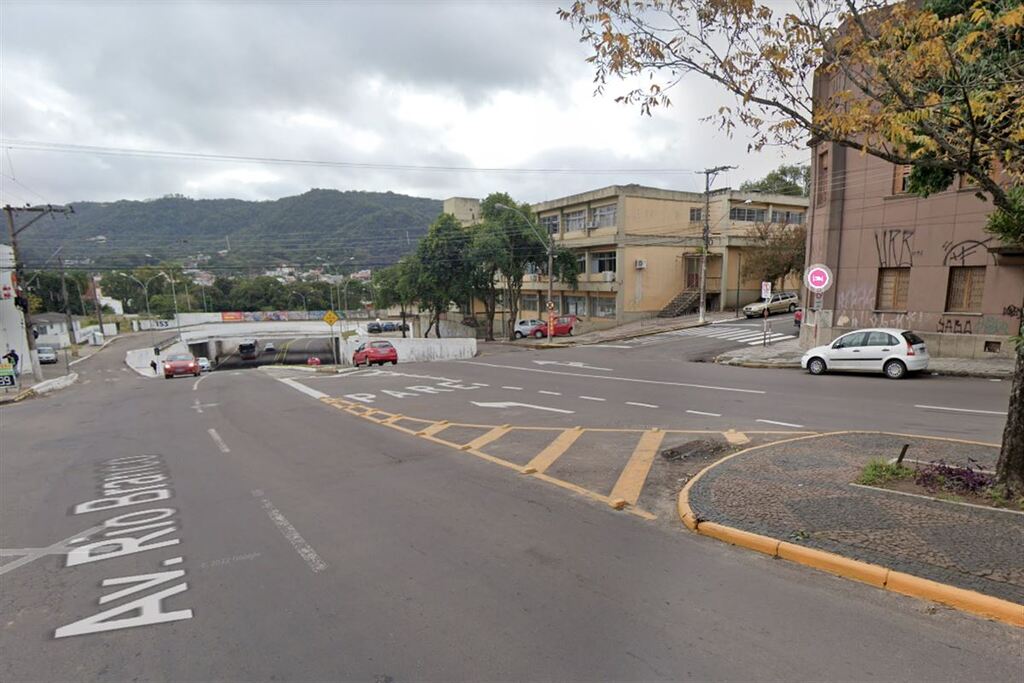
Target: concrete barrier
(139, 359)
(418, 350)
(46, 386)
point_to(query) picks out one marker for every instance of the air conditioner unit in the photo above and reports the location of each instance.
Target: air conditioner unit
(640, 263)
(609, 275)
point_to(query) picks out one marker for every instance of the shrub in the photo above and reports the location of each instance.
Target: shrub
(953, 478)
(879, 472)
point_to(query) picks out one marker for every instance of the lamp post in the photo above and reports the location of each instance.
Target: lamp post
(303, 297)
(145, 290)
(551, 262)
(174, 298)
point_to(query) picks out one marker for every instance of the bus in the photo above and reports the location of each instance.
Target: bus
(247, 350)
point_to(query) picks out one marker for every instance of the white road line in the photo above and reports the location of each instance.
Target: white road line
(963, 410)
(773, 339)
(700, 412)
(195, 385)
(513, 388)
(550, 393)
(607, 346)
(298, 386)
(781, 424)
(617, 379)
(592, 398)
(33, 554)
(642, 405)
(305, 550)
(217, 440)
(480, 384)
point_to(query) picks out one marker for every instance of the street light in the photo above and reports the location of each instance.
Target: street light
(145, 289)
(303, 297)
(174, 297)
(551, 262)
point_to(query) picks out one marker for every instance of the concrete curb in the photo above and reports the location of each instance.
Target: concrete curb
(55, 384)
(787, 365)
(839, 565)
(646, 333)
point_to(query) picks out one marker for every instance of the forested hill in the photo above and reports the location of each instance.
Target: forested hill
(364, 229)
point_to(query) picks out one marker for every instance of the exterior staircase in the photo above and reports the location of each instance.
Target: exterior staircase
(684, 302)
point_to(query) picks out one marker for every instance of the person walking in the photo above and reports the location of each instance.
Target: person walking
(12, 357)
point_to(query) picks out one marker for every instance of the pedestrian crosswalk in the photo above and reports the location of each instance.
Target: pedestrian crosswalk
(751, 335)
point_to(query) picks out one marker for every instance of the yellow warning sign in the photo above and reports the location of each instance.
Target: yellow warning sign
(330, 317)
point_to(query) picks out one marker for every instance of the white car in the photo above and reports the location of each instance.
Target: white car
(523, 327)
(46, 354)
(204, 364)
(891, 351)
(269, 348)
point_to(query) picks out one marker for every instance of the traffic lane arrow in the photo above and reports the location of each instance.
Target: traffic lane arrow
(571, 364)
(513, 404)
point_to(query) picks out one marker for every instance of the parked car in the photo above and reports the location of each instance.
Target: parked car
(892, 351)
(780, 302)
(204, 364)
(379, 352)
(563, 327)
(523, 328)
(313, 360)
(389, 327)
(181, 364)
(373, 328)
(269, 348)
(47, 354)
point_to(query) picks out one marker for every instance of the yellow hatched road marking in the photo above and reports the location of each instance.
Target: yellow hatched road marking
(484, 439)
(631, 481)
(434, 428)
(547, 457)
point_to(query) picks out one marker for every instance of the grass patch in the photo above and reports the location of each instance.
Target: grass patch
(879, 472)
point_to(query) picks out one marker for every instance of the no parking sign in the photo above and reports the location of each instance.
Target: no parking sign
(818, 278)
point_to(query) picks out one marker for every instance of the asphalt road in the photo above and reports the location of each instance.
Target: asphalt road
(318, 546)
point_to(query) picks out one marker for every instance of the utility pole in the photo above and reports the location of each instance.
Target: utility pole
(69, 321)
(96, 303)
(709, 177)
(19, 269)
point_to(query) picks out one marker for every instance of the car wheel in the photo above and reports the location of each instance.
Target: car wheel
(394, 362)
(895, 369)
(538, 334)
(518, 335)
(792, 307)
(816, 366)
(570, 331)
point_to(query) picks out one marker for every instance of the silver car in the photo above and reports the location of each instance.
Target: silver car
(47, 355)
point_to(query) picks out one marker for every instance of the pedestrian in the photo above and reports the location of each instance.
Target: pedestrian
(12, 357)
(798, 317)
(152, 364)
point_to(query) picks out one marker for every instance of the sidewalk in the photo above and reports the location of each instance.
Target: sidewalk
(787, 355)
(801, 492)
(642, 328)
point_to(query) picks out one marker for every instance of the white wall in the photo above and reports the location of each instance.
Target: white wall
(418, 350)
(12, 322)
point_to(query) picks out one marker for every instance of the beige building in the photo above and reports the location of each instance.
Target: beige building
(638, 250)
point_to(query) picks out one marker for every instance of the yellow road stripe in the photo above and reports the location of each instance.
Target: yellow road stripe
(434, 428)
(547, 457)
(736, 438)
(634, 475)
(484, 439)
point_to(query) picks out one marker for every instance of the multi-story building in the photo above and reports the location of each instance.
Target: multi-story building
(638, 250)
(900, 260)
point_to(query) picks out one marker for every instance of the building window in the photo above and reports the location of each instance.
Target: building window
(575, 305)
(696, 215)
(530, 302)
(893, 285)
(575, 220)
(603, 216)
(603, 261)
(550, 224)
(581, 264)
(821, 179)
(604, 307)
(788, 217)
(744, 213)
(966, 288)
(900, 178)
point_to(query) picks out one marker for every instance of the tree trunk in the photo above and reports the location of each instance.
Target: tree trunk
(1010, 468)
(437, 327)
(490, 304)
(403, 321)
(513, 309)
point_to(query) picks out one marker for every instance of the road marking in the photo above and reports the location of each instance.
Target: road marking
(570, 364)
(513, 388)
(198, 407)
(642, 405)
(298, 386)
(513, 404)
(609, 346)
(547, 457)
(617, 379)
(593, 398)
(781, 424)
(305, 550)
(33, 554)
(736, 438)
(217, 440)
(701, 412)
(963, 410)
(549, 393)
(484, 439)
(195, 385)
(631, 480)
(434, 428)
(480, 384)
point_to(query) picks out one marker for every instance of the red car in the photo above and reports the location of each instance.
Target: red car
(563, 327)
(379, 352)
(181, 364)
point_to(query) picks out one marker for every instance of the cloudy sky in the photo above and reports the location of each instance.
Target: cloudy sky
(500, 87)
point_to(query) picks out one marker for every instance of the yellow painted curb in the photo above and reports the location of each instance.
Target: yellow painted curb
(864, 572)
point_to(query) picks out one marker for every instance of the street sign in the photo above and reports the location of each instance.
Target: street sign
(766, 290)
(818, 299)
(330, 317)
(7, 376)
(818, 278)
(551, 305)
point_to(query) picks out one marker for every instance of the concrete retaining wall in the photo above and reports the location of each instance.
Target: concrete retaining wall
(419, 350)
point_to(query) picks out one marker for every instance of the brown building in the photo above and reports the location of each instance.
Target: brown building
(899, 260)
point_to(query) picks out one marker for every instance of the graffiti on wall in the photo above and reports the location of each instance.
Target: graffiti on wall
(988, 324)
(894, 248)
(957, 253)
(955, 326)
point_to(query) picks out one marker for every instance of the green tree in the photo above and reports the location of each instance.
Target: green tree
(793, 180)
(934, 84)
(443, 268)
(488, 251)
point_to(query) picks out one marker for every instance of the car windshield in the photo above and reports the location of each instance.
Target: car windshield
(45, 349)
(381, 345)
(912, 338)
(180, 356)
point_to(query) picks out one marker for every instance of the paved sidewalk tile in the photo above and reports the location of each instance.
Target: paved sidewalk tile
(800, 492)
